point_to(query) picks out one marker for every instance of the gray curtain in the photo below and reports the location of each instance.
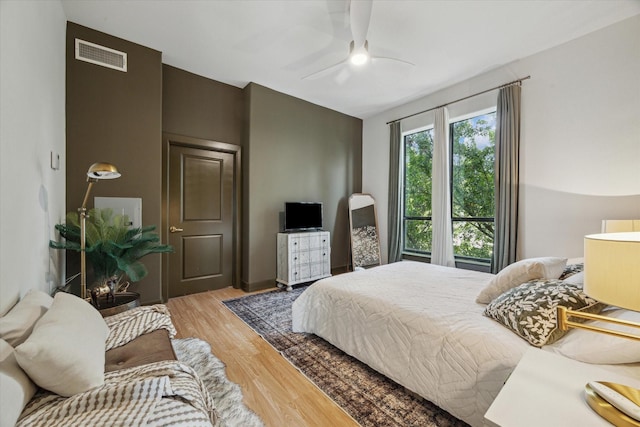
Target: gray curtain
(395, 193)
(506, 177)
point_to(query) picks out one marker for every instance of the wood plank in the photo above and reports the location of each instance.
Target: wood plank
(272, 387)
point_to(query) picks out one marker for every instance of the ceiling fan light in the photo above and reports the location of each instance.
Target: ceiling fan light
(359, 56)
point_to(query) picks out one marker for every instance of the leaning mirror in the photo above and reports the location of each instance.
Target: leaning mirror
(363, 223)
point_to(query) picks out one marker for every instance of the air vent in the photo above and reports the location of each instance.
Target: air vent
(100, 55)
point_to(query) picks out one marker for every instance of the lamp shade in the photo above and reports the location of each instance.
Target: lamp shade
(103, 171)
(612, 268)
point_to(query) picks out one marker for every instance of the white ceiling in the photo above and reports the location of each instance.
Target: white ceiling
(277, 42)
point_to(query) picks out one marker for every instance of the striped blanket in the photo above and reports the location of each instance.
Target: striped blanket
(129, 325)
(166, 393)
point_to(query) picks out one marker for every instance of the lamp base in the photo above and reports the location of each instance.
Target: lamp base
(609, 412)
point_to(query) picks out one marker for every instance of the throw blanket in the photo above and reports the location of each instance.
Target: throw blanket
(166, 393)
(129, 325)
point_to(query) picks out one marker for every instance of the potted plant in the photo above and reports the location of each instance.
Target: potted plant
(112, 248)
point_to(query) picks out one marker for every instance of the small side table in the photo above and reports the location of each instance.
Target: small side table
(123, 301)
(547, 389)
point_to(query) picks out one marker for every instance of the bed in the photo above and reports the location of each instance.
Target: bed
(420, 325)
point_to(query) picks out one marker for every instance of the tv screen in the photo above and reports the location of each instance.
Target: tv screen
(302, 216)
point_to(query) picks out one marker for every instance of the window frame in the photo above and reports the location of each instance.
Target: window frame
(411, 253)
(404, 250)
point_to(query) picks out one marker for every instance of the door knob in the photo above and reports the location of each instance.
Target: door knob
(174, 229)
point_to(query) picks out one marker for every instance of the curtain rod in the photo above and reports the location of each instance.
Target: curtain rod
(461, 99)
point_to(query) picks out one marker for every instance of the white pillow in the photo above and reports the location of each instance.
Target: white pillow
(18, 323)
(65, 352)
(520, 272)
(575, 279)
(591, 347)
(16, 388)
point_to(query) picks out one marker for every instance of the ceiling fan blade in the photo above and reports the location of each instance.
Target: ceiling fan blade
(386, 58)
(325, 71)
(343, 75)
(360, 16)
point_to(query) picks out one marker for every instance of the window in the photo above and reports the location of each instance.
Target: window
(472, 188)
(472, 200)
(418, 153)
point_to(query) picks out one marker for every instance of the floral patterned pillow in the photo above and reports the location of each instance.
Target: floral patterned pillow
(529, 310)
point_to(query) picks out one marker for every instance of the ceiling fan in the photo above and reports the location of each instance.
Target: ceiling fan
(359, 19)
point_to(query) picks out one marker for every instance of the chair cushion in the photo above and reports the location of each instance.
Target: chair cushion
(148, 348)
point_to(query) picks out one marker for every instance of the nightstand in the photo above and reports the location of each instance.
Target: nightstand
(123, 301)
(547, 389)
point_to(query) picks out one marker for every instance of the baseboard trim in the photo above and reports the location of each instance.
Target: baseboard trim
(258, 286)
(340, 270)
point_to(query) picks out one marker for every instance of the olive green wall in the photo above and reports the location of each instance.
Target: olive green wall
(116, 117)
(295, 151)
(198, 107)
(292, 150)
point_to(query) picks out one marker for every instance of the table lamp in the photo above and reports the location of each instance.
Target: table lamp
(611, 276)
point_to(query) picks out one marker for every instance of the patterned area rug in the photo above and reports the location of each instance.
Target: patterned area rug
(369, 397)
(227, 396)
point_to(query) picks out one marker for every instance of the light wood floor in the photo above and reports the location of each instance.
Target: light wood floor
(271, 386)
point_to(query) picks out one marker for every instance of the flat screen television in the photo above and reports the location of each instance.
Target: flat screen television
(302, 216)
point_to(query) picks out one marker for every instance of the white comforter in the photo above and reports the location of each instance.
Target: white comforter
(418, 324)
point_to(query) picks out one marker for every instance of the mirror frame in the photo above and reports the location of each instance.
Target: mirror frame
(360, 201)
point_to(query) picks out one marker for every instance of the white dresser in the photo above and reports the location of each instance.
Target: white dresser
(303, 257)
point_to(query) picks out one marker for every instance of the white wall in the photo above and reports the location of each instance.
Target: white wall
(32, 124)
(580, 138)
